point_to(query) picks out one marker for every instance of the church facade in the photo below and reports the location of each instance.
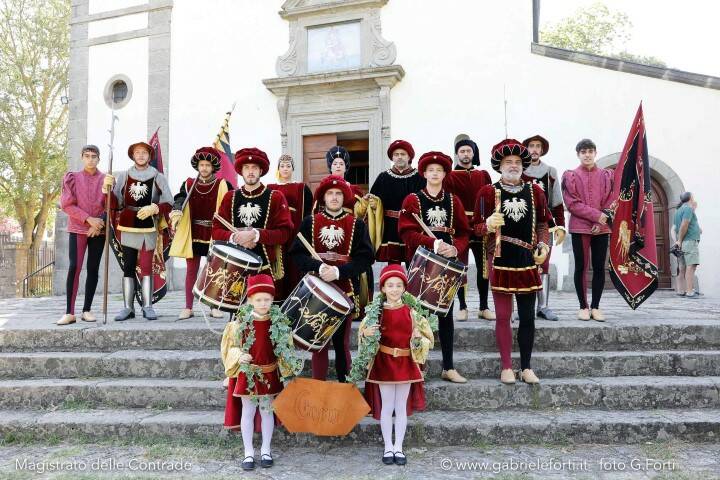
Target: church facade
(304, 75)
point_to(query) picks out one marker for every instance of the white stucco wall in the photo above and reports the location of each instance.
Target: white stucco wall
(129, 57)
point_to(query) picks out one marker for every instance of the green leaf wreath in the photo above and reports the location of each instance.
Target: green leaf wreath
(368, 347)
(281, 338)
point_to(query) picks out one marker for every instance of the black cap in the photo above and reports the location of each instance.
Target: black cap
(91, 148)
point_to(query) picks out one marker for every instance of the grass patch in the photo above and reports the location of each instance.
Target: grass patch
(72, 404)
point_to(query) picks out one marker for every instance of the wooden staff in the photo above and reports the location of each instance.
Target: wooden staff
(497, 230)
(425, 228)
(108, 200)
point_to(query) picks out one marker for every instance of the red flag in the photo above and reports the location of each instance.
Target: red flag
(222, 143)
(157, 162)
(633, 251)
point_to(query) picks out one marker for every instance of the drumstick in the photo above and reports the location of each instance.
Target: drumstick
(309, 247)
(425, 228)
(497, 230)
(225, 223)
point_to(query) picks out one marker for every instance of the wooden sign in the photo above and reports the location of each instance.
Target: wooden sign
(320, 407)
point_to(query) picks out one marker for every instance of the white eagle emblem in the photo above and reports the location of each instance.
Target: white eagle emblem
(249, 213)
(515, 208)
(331, 236)
(436, 216)
(539, 183)
(138, 190)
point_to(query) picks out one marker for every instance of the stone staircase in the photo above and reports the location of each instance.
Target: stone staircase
(645, 377)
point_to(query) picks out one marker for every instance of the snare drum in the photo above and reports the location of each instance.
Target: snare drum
(317, 309)
(434, 280)
(222, 282)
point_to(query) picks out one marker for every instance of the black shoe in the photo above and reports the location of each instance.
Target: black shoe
(400, 458)
(266, 460)
(388, 459)
(248, 463)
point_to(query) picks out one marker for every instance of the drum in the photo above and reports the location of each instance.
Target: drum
(317, 309)
(435, 280)
(221, 284)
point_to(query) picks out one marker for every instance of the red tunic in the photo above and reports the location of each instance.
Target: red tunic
(262, 209)
(466, 184)
(412, 233)
(514, 270)
(299, 199)
(396, 328)
(263, 354)
(395, 331)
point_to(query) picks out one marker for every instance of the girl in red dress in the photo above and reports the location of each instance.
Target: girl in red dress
(394, 382)
(256, 366)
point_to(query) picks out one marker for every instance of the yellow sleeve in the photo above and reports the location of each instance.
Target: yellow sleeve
(421, 349)
(229, 351)
(360, 208)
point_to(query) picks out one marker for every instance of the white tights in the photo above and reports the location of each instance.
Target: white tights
(394, 398)
(247, 424)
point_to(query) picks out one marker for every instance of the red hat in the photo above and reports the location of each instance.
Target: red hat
(332, 181)
(541, 139)
(393, 271)
(209, 154)
(251, 155)
(434, 157)
(405, 145)
(262, 283)
(508, 147)
(147, 147)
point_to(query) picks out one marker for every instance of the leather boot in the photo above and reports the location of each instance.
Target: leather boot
(128, 299)
(147, 293)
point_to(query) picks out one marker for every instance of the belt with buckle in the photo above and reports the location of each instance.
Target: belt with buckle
(394, 351)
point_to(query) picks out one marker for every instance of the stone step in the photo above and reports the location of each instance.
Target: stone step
(205, 364)
(611, 393)
(628, 333)
(433, 428)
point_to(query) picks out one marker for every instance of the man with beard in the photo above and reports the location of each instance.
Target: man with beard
(512, 215)
(341, 240)
(143, 196)
(195, 218)
(444, 214)
(546, 177)
(262, 215)
(387, 194)
(465, 181)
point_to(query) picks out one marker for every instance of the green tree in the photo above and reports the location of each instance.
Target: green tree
(597, 30)
(34, 57)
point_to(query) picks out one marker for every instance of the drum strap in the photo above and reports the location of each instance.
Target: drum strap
(392, 213)
(334, 257)
(516, 241)
(395, 352)
(451, 231)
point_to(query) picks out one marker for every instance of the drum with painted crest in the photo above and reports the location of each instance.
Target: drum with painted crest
(435, 280)
(317, 309)
(222, 283)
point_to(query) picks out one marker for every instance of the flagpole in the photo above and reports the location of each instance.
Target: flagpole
(107, 216)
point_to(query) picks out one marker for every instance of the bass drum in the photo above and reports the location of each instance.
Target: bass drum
(222, 282)
(317, 309)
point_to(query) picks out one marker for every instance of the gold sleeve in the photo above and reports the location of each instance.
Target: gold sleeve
(361, 207)
(420, 350)
(229, 351)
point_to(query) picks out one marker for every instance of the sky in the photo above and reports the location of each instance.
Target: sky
(685, 35)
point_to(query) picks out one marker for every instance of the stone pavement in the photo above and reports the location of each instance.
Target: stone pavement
(587, 461)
